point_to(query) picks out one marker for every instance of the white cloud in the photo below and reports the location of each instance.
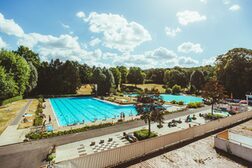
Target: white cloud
(65, 26)
(235, 7)
(81, 15)
(203, 1)
(226, 2)
(187, 61)
(94, 42)
(2, 43)
(172, 32)
(188, 47)
(117, 32)
(209, 61)
(9, 27)
(186, 17)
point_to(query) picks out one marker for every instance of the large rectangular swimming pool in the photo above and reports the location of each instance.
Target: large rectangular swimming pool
(74, 110)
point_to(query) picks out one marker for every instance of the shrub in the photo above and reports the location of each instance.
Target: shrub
(173, 102)
(194, 105)
(42, 135)
(168, 90)
(181, 103)
(10, 100)
(176, 89)
(211, 116)
(143, 134)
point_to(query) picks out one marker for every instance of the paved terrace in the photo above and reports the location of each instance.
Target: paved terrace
(32, 154)
(81, 148)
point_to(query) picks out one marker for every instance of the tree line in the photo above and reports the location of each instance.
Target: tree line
(23, 73)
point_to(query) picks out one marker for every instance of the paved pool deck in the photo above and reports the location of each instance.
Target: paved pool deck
(81, 148)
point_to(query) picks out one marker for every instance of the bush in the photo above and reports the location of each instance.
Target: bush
(168, 90)
(143, 134)
(42, 135)
(176, 89)
(10, 100)
(173, 102)
(194, 105)
(181, 103)
(211, 116)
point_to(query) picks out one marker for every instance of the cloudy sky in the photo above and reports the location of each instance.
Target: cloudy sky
(145, 33)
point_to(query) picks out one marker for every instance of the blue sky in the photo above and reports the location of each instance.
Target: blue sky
(153, 33)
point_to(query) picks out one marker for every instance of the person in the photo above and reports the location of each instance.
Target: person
(50, 119)
(123, 115)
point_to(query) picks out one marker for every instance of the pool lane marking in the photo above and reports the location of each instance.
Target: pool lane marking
(71, 103)
(54, 112)
(69, 110)
(88, 108)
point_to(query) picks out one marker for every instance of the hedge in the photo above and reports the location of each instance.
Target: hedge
(10, 100)
(144, 134)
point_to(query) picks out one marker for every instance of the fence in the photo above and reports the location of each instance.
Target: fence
(137, 149)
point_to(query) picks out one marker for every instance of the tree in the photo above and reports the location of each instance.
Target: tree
(109, 82)
(117, 76)
(150, 108)
(85, 74)
(135, 76)
(173, 77)
(176, 89)
(8, 87)
(124, 73)
(17, 67)
(197, 79)
(234, 71)
(28, 55)
(213, 92)
(99, 78)
(33, 79)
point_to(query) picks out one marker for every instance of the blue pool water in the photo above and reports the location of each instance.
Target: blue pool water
(169, 97)
(185, 98)
(74, 110)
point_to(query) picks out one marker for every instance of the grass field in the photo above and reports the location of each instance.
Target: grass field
(9, 112)
(149, 86)
(85, 90)
(31, 110)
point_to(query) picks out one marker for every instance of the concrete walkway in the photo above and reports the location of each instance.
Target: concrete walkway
(81, 148)
(21, 113)
(31, 154)
(12, 134)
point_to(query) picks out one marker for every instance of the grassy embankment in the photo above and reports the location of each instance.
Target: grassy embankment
(8, 113)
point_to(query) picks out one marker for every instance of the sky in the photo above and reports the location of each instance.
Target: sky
(144, 33)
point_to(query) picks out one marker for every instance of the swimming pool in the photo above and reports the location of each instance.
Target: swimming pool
(74, 110)
(185, 98)
(169, 97)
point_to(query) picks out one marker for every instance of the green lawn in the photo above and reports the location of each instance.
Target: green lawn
(149, 86)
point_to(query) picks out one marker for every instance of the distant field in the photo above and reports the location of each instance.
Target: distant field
(9, 112)
(149, 86)
(85, 90)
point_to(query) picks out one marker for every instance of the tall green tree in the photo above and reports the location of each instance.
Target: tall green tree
(234, 71)
(17, 67)
(197, 79)
(213, 92)
(173, 77)
(109, 82)
(124, 73)
(8, 87)
(33, 79)
(135, 76)
(28, 55)
(99, 78)
(150, 109)
(86, 73)
(117, 76)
